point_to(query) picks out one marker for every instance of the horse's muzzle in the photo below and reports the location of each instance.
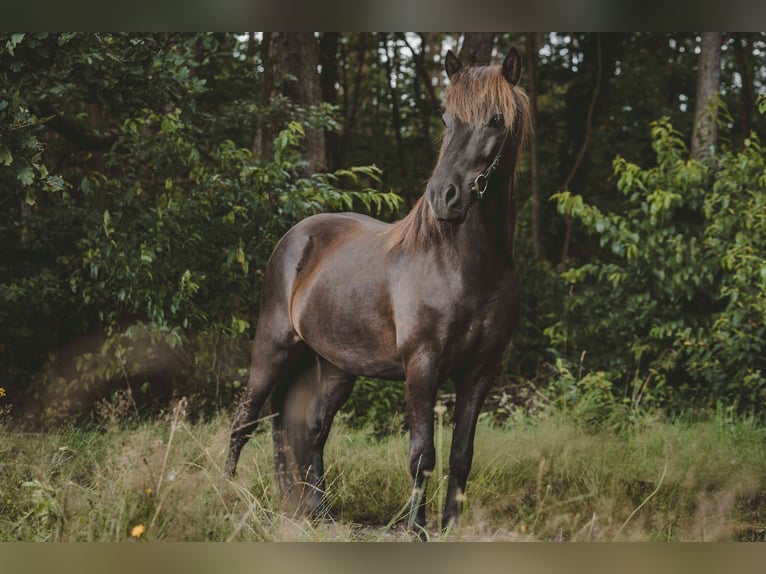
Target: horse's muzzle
(450, 205)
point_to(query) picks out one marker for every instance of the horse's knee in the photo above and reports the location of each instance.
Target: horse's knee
(422, 461)
(318, 431)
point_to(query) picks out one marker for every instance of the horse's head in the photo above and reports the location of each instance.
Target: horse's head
(485, 119)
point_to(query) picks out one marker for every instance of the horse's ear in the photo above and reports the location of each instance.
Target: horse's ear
(512, 66)
(452, 64)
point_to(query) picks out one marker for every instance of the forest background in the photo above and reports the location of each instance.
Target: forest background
(147, 177)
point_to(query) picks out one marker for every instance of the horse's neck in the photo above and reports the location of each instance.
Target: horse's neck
(487, 233)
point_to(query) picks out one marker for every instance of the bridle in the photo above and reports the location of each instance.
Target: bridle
(480, 183)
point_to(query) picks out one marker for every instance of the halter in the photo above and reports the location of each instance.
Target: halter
(479, 185)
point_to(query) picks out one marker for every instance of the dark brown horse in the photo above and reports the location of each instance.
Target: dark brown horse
(431, 297)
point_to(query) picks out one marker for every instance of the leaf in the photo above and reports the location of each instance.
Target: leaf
(14, 41)
(26, 175)
(167, 125)
(6, 158)
(55, 183)
(107, 224)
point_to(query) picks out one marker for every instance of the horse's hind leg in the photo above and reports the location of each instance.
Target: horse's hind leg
(307, 409)
(289, 402)
(274, 358)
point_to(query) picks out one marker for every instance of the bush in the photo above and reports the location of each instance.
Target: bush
(676, 300)
(168, 270)
(136, 222)
(377, 404)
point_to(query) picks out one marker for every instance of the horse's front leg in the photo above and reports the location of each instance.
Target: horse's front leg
(421, 398)
(470, 395)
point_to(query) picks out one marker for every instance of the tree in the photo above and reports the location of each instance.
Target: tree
(128, 159)
(328, 81)
(742, 49)
(705, 134)
(477, 47)
(134, 266)
(534, 145)
(290, 62)
(583, 147)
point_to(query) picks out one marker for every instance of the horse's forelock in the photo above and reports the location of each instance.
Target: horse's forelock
(479, 92)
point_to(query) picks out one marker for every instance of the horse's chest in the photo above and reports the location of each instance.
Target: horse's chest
(457, 325)
(482, 327)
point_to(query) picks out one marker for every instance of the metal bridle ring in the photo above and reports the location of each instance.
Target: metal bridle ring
(480, 184)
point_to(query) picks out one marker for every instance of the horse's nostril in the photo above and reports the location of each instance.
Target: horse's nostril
(450, 196)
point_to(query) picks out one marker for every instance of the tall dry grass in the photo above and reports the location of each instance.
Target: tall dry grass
(539, 478)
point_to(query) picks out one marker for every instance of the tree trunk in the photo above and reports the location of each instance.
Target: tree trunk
(741, 50)
(534, 160)
(352, 89)
(290, 61)
(477, 47)
(392, 68)
(328, 80)
(264, 132)
(430, 103)
(705, 133)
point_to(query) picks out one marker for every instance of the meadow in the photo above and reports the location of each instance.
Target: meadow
(542, 477)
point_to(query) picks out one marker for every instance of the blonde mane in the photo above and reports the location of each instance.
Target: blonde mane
(475, 94)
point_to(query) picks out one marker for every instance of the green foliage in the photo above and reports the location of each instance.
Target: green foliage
(179, 249)
(542, 300)
(377, 404)
(136, 220)
(589, 397)
(676, 299)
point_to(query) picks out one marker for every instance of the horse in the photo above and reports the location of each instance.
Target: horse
(431, 297)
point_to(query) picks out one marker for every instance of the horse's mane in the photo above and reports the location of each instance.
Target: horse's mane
(417, 230)
(475, 94)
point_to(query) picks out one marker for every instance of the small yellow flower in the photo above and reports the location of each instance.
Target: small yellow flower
(138, 531)
(148, 491)
(2, 392)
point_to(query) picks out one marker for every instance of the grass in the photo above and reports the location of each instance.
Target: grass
(537, 478)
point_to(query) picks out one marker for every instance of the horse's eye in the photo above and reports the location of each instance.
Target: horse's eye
(496, 121)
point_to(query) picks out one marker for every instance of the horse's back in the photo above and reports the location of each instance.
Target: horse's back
(335, 223)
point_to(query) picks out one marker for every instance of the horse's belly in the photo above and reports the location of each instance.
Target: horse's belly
(351, 330)
(354, 349)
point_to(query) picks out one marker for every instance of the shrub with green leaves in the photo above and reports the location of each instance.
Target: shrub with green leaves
(673, 307)
(136, 222)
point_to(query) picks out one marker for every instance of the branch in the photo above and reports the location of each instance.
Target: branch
(350, 119)
(75, 133)
(589, 117)
(421, 70)
(583, 147)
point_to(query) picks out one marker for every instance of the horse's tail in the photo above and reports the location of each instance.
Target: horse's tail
(291, 403)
